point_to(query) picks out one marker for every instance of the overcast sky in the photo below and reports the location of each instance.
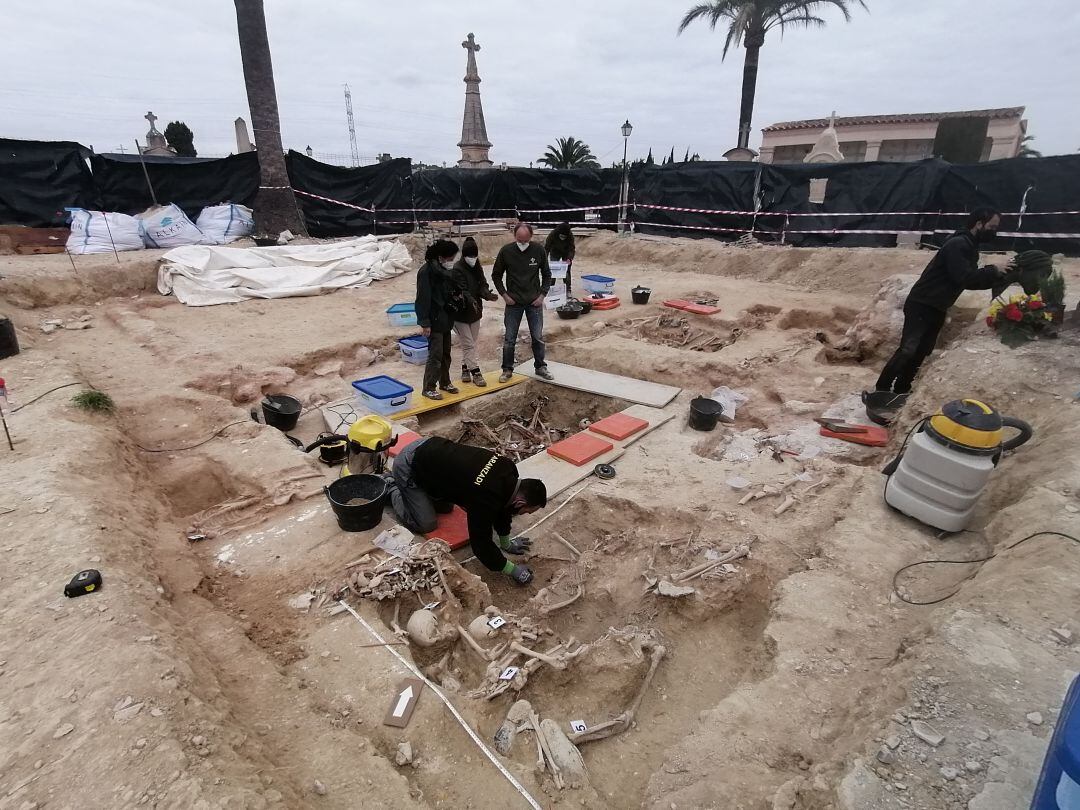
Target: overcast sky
(88, 72)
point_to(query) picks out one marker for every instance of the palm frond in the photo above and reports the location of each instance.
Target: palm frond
(713, 12)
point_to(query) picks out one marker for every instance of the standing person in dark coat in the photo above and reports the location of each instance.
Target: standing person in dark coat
(527, 281)
(471, 289)
(434, 285)
(953, 269)
(560, 248)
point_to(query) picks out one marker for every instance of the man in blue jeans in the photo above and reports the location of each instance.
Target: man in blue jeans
(524, 264)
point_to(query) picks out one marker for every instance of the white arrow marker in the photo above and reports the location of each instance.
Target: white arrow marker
(403, 702)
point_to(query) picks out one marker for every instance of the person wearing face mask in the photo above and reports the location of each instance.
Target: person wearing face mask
(524, 263)
(472, 289)
(560, 248)
(434, 285)
(954, 268)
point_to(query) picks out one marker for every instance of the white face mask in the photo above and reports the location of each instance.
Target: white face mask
(471, 261)
(523, 245)
(448, 265)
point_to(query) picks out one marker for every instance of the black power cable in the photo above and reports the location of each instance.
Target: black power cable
(192, 447)
(896, 576)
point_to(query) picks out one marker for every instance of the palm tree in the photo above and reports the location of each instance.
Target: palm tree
(569, 153)
(275, 207)
(1026, 149)
(749, 22)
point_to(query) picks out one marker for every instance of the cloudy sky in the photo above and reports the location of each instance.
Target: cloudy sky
(90, 72)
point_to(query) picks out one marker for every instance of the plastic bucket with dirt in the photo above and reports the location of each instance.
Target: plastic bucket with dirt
(357, 501)
(641, 294)
(281, 411)
(704, 413)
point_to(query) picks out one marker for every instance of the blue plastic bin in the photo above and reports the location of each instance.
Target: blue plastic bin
(383, 394)
(402, 315)
(414, 349)
(598, 284)
(1059, 783)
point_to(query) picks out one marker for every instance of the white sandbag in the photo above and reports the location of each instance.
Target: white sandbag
(221, 224)
(167, 226)
(100, 232)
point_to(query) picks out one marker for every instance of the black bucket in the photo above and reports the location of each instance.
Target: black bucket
(9, 343)
(641, 295)
(362, 516)
(704, 413)
(281, 411)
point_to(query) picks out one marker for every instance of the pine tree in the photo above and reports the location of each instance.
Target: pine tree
(181, 138)
(671, 157)
(649, 160)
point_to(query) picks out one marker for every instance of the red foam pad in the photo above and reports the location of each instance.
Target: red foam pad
(403, 441)
(618, 426)
(869, 435)
(580, 449)
(690, 306)
(453, 529)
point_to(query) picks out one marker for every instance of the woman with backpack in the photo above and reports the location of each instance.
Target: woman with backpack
(434, 290)
(471, 288)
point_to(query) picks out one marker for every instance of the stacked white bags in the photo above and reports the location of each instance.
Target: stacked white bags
(221, 224)
(100, 232)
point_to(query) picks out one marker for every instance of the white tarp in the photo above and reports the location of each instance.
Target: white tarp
(202, 275)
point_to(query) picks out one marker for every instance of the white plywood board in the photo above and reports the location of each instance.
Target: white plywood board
(608, 385)
(558, 475)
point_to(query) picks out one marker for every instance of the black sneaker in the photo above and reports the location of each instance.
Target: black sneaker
(451, 389)
(544, 374)
(432, 395)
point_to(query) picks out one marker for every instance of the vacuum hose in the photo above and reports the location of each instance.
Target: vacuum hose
(1022, 438)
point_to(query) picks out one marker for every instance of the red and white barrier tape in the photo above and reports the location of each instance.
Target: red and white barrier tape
(759, 214)
(337, 202)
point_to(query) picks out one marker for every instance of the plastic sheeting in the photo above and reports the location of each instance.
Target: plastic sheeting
(191, 185)
(861, 191)
(382, 186)
(39, 179)
(202, 275)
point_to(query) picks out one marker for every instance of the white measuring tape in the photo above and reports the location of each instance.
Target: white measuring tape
(457, 715)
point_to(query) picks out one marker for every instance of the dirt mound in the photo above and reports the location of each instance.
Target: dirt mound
(876, 329)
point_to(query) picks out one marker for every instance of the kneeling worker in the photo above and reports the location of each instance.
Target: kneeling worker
(431, 474)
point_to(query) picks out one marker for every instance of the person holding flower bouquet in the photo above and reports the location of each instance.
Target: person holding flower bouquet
(954, 268)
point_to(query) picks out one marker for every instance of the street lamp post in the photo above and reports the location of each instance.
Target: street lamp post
(624, 191)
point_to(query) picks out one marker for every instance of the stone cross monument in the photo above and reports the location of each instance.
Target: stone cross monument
(155, 141)
(474, 138)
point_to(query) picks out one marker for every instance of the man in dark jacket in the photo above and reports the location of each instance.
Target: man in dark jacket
(430, 474)
(953, 269)
(560, 248)
(528, 278)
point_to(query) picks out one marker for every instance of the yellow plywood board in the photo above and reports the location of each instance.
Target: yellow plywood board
(420, 404)
(339, 415)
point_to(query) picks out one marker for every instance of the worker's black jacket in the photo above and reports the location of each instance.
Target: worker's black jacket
(433, 286)
(953, 269)
(479, 481)
(528, 275)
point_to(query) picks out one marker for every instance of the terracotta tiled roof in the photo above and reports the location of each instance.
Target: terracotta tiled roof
(900, 118)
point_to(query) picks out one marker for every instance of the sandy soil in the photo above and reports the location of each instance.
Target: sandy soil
(192, 680)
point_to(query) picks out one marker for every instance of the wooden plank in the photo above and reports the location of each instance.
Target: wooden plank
(468, 391)
(608, 385)
(339, 415)
(558, 476)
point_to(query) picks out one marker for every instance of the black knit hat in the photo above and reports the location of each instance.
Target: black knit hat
(469, 247)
